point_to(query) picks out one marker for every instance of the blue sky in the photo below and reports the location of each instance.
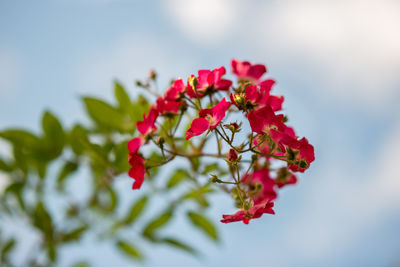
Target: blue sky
(336, 62)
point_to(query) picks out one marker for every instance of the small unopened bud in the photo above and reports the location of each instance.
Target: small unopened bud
(214, 179)
(160, 141)
(193, 81)
(139, 83)
(254, 157)
(232, 155)
(233, 127)
(152, 75)
(239, 99)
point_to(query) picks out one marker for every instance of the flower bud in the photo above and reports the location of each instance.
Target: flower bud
(152, 75)
(232, 156)
(233, 127)
(193, 81)
(214, 179)
(160, 141)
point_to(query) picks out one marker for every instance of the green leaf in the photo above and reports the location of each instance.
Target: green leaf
(122, 97)
(6, 249)
(17, 189)
(108, 199)
(139, 107)
(77, 139)
(156, 224)
(178, 176)
(129, 250)
(5, 166)
(74, 234)
(106, 116)
(203, 224)
(121, 157)
(69, 168)
(20, 159)
(21, 138)
(195, 162)
(54, 138)
(198, 194)
(179, 244)
(42, 220)
(136, 210)
(209, 168)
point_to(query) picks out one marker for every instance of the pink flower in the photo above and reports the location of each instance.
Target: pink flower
(147, 126)
(165, 106)
(264, 121)
(263, 187)
(256, 97)
(244, 70)
(209, 81)
(175, 91)
(303, 153)
(208, 119)
(285, 177)
(137, 170)
(254, 212)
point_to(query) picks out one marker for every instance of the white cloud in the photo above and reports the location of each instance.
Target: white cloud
(351, 46)
(205, 21)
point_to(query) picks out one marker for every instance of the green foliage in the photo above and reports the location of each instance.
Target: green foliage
(136, 210)
(129, 250)
(178, 176)
(203, 224)
(43, 163)
(152, 227)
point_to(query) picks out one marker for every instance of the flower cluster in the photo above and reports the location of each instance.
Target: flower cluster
(267, 160)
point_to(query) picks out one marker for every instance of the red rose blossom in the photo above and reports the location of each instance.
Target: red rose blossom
(148, 126)
(254, 212)
(209, 80)
(244, 70)
(175, 91)
(208, 119)
(137, 170)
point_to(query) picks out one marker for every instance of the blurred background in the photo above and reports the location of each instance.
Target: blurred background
(336, 62)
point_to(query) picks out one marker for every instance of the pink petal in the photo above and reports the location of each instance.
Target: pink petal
(134, 144)
(199, 126)
(137, 171)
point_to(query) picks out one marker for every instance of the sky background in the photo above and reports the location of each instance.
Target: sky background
(336, 62)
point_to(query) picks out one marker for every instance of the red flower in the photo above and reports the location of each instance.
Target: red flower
(264, 121)
(261, 185)
(147, 126)
(209, 81)
(165, 106)
(208, 119)
(175, 91)
(302, 153)
(244, 70)
(285, 177)
(256, 96)
(137, 171)
(254, 212)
